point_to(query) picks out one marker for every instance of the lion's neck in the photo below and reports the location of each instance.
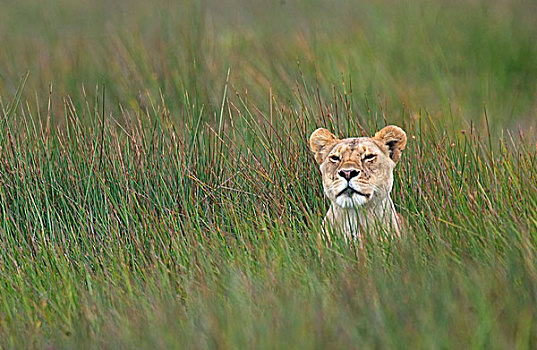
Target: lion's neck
(355, 222)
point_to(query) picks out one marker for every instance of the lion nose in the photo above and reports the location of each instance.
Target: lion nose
(348, 174)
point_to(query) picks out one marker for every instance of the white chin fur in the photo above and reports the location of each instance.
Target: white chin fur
(347, 202)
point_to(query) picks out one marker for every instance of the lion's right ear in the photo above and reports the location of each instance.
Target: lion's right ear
(321, 142)
(394, 139)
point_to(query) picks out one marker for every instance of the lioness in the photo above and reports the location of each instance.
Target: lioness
(358, 178)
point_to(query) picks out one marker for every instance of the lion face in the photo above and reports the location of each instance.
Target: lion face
(358, 172)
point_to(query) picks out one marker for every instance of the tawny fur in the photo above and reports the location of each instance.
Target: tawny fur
(357, 176)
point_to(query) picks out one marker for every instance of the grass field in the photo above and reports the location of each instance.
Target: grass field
(157, 190)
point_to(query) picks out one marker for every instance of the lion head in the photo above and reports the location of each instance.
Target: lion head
(358, 171)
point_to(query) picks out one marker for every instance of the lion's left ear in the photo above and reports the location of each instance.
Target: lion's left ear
(394, 138)
(321, 143)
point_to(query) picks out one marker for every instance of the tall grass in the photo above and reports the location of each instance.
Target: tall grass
(177, 204)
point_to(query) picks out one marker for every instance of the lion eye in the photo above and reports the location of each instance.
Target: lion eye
(370, 156)
(334, 158)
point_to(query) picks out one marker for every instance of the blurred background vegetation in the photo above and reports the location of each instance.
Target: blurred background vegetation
(445, 57)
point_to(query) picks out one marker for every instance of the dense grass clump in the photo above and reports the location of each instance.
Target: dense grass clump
(177, 205)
